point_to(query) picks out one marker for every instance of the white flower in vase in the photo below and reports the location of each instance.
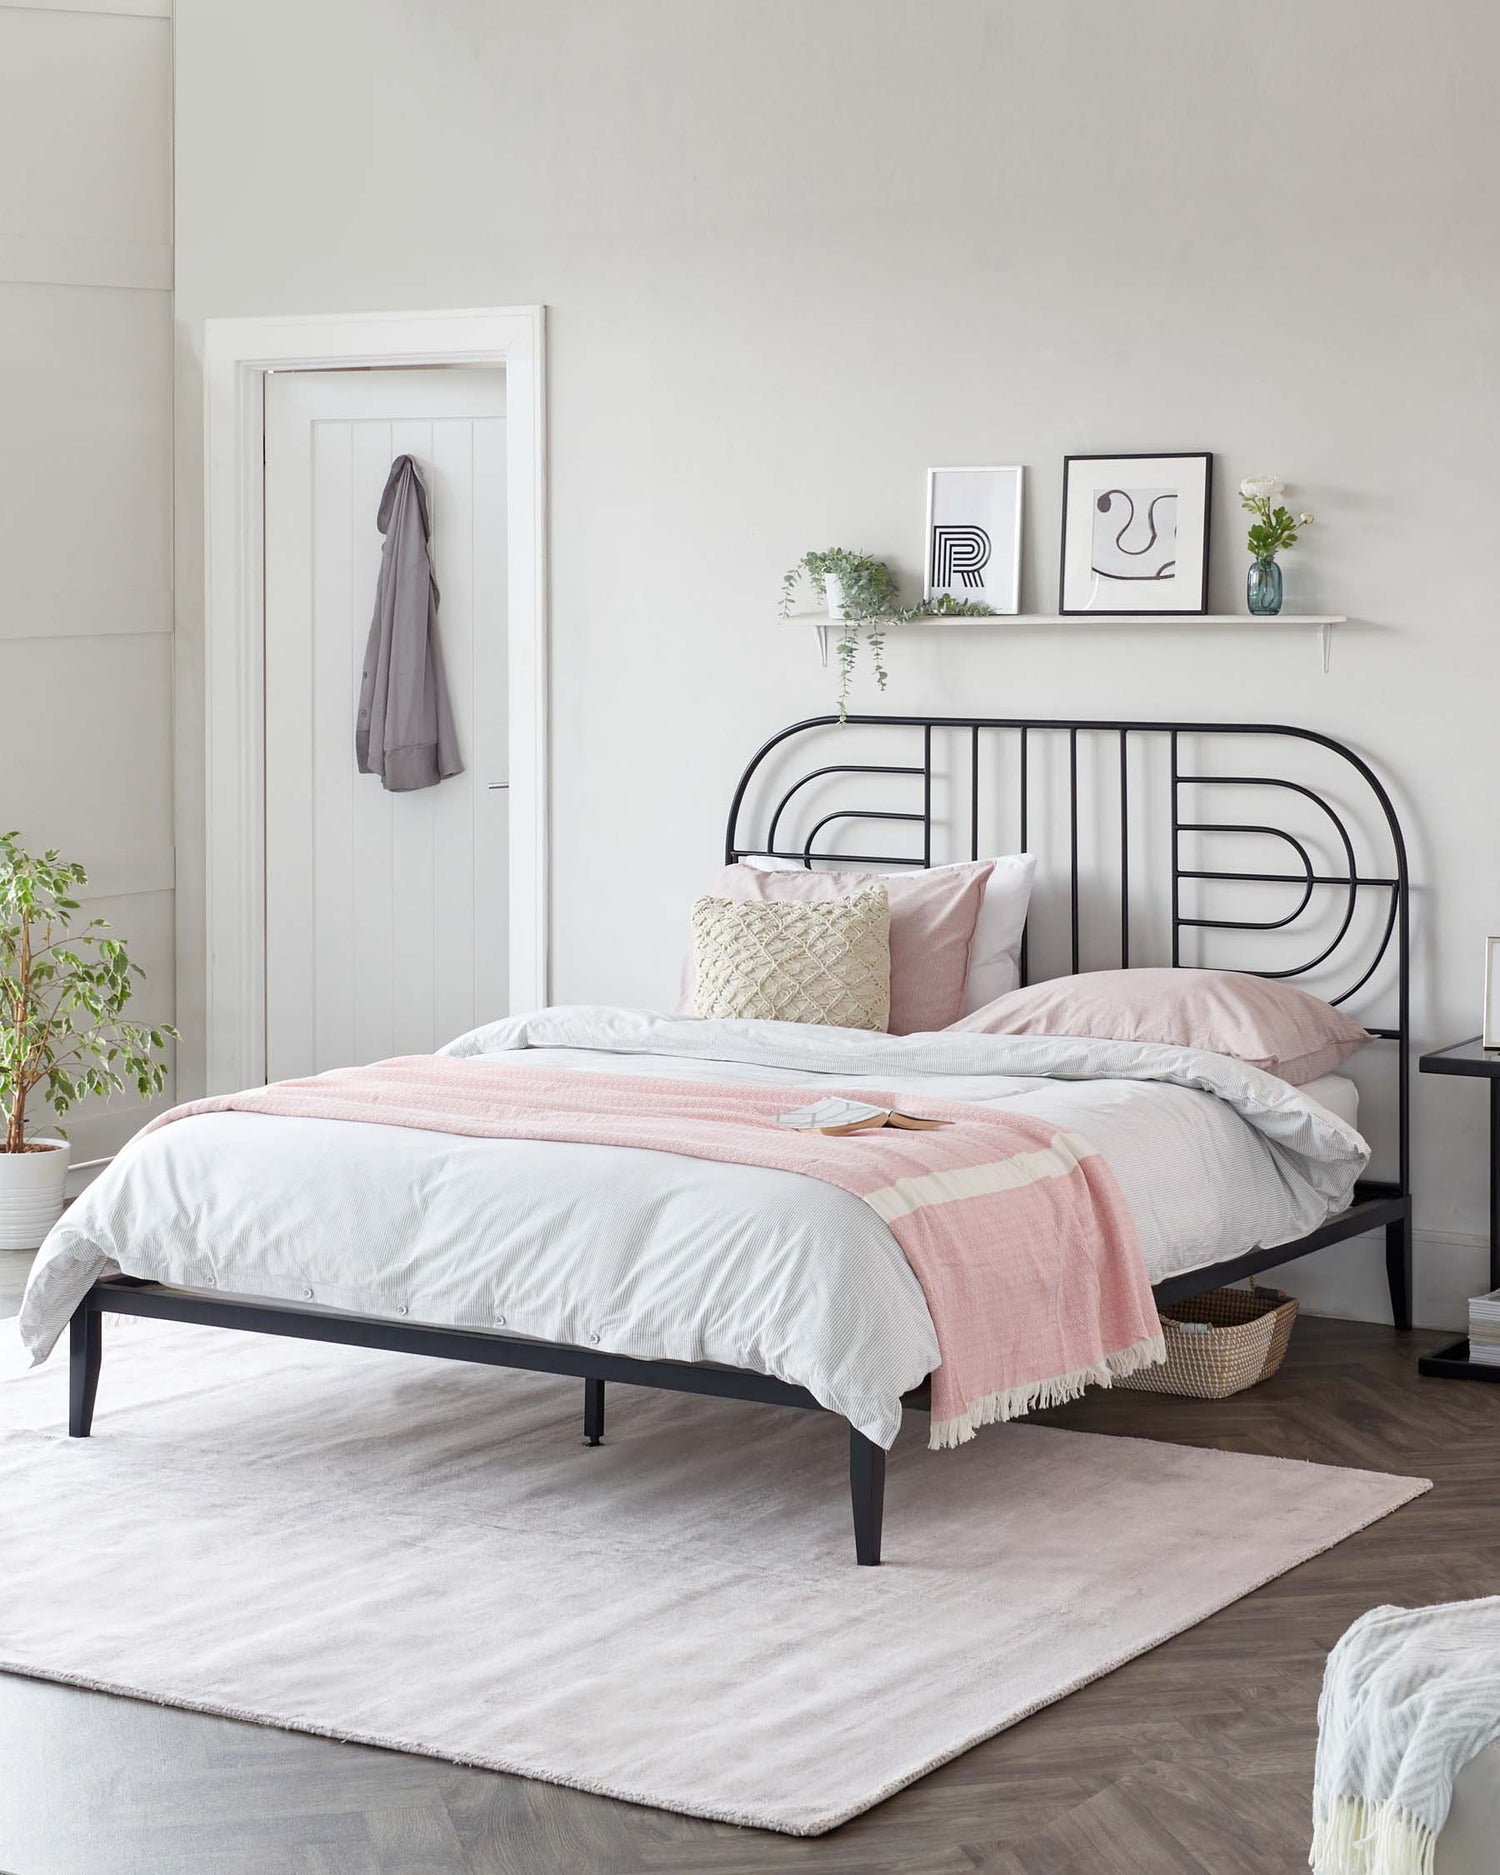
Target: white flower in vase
(1272, 530)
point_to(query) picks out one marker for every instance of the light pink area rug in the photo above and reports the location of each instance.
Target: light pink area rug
(422, 1555)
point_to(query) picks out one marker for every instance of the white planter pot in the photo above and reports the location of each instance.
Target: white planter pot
(833, 592)
(31, 1193)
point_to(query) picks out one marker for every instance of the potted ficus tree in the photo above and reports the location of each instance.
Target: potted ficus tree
(61, 1035)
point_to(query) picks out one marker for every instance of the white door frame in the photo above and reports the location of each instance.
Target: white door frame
(237, 355)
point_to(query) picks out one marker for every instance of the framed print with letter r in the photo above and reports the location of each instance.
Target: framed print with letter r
(974, 537)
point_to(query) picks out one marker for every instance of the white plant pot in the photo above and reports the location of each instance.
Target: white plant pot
(833, 592)
(31, 1193)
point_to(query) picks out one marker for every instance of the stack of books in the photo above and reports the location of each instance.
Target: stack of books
(1484, 1329)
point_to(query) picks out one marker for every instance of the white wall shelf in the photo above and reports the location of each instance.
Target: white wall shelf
(1321, 624)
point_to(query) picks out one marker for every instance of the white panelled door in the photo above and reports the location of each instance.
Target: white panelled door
(386, 914)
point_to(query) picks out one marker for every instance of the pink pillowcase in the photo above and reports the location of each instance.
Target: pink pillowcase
(1269, 1024)
(932, 925)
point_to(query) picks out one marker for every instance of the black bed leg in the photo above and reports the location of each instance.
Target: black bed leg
(1398, 1270)
(85, 1352)
(593, 1412)
(867, 1495)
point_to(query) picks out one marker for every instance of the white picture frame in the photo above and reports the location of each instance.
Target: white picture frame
(1491, 1036)
(973, 540)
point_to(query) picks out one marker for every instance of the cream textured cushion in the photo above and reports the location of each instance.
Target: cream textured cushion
(783, 960)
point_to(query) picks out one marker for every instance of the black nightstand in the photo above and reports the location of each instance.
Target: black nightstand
(1473, 1059)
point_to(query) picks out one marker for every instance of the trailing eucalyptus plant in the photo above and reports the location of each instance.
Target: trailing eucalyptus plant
(868, 598)
(61, 997)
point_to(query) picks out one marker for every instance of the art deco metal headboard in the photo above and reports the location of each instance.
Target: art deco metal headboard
(955, 780)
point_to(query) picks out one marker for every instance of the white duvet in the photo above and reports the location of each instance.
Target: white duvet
(659, 1256)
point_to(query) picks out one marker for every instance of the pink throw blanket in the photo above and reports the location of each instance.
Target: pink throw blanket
(1017, 1232)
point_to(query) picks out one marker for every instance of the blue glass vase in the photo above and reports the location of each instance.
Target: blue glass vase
(1263, 588)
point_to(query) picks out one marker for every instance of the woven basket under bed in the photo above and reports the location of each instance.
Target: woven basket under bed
(1243, 1341)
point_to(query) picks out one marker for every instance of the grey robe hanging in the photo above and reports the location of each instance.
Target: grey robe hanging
(405, 731)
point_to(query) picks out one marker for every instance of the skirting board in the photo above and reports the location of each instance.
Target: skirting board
(1348, 1280)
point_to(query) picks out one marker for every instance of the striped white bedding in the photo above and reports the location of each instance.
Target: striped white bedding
(657, 1256)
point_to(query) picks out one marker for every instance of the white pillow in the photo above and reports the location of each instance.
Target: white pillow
(995, 951)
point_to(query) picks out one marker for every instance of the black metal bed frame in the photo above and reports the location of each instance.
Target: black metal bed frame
(1376, 1203)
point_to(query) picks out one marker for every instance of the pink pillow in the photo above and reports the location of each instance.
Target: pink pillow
(995, 950)
(933, 915)
(1271, 1025)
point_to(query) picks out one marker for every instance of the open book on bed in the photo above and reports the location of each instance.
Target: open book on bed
(851, 1116)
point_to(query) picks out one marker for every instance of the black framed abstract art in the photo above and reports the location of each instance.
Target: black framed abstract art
(1135, 533)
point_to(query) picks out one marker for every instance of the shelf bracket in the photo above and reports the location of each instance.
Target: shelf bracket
(822, 632)
(1325, 644)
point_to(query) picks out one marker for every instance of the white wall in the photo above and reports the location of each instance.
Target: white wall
(793, 254)
(85, 471)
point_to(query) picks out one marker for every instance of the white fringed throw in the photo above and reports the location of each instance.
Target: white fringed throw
(1410, 1695)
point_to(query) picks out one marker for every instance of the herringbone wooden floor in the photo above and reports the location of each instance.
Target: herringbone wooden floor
(1193, 1760)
